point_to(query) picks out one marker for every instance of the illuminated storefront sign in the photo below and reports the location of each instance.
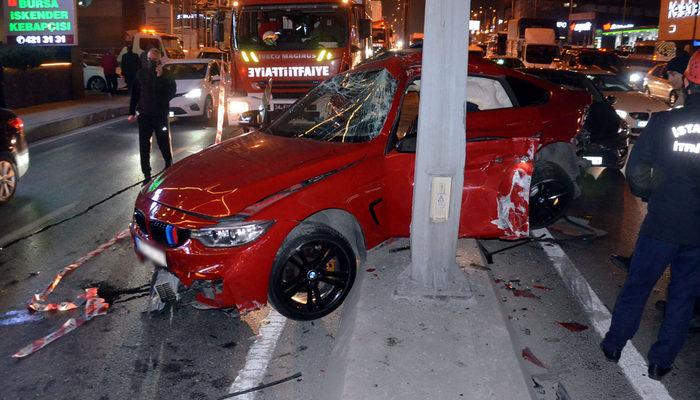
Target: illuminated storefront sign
(614, 27)
(289, 72)
(582, 26)
(683, 9)
(41, 22)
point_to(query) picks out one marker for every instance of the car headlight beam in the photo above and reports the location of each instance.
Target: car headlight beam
(622, 113)
(194, 93)
(231, 234)
(635, 77)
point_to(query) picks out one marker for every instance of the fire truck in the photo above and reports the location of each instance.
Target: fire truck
(292, 45)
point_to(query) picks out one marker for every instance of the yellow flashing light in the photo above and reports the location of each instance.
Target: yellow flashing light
(245, 56)
(148, 31)
(324, 55)
(254, 56)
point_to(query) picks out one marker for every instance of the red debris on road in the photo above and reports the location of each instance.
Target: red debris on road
(529, 356)
(573, 326)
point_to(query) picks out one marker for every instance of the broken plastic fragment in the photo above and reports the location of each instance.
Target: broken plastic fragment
(529, 356)
(573, 326)
(525, 293)
(371, 269)
(542, 287)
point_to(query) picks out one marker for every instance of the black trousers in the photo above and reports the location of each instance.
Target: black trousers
(112, 80)
(158, 125)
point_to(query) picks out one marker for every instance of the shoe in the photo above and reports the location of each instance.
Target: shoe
(621, 262)
(612, 356)
(656, 372)
(146, 180)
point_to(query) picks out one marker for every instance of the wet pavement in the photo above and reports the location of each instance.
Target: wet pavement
(188, 353)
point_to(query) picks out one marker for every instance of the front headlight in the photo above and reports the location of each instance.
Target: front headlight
(238, 107)
(635, 77)
(623, 114)
(194, 94)
(231, 234)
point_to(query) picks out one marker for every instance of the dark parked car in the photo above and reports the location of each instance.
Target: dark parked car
(14, 154)
(606, 139)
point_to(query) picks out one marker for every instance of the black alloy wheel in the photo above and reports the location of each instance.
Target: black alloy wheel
(97, 84)
(551, 192)
(312, 274)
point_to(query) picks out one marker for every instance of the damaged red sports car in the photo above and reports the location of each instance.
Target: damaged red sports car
(286, 213)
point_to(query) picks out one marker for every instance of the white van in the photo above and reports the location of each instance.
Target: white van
(169, 45)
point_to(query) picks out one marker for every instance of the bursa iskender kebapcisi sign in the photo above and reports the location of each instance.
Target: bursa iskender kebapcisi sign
(41, 22)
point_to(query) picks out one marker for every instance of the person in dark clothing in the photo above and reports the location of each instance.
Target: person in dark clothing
(151, 95)
(664, 169)
(109, 65)
(130, 64)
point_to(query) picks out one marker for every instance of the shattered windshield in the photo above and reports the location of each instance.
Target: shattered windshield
(304, 27)
(348, 108)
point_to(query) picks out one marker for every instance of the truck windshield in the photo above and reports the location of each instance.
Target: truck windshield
(292, 27)
(185, 71)
(541, 53)
(349, 108)
(172, 47)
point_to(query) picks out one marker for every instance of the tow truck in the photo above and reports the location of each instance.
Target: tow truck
(292, 45)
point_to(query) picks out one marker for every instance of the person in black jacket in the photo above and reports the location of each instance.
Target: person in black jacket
(151, 95)
(130, 64)
(664, 170)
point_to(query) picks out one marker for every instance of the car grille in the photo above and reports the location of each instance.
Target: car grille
(642, 116)
(161, 232)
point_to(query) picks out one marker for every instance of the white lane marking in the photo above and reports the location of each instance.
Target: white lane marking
(18, 317)
(37, 223)
(259, 355)
(632, 362)
(43, 142)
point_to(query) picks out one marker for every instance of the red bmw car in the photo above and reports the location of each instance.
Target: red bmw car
(287, 212)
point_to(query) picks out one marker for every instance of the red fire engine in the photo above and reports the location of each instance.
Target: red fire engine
(296, 44)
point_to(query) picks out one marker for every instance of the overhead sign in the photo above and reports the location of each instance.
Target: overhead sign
(683, 9)
(582, 26)
(677, 20)
(41, 22)
(614, 27)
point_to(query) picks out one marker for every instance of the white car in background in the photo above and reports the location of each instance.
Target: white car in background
(656, 84)
(198, 82)
(634, 107)
(94, 79)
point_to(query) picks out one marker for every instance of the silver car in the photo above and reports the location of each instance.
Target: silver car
(656, 84)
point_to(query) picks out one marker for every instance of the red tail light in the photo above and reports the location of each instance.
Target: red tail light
(17, 123)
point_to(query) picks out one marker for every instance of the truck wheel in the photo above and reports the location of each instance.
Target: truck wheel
(312, 274)
(8, 179)
(97, 84)
(551, 191)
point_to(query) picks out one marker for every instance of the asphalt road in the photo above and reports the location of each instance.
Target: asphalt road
(185, 353)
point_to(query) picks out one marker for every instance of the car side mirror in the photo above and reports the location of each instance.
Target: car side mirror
(250, 120)
(407, 144)
(365, 28)
(611, 100)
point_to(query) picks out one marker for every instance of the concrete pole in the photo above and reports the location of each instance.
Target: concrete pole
(440, 155)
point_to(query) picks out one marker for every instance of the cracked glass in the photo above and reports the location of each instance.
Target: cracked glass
(349, 108)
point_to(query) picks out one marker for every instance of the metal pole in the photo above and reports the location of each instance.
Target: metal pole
(440, 155)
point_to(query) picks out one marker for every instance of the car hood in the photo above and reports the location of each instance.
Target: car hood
(637, 102)
(185, 85)
(223, 180)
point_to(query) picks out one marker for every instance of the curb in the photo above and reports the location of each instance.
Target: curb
(55, 128)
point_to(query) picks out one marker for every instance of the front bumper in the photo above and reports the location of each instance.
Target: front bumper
(181, 106)
(238, 275)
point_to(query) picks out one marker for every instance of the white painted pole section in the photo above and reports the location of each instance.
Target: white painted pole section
(441, 144)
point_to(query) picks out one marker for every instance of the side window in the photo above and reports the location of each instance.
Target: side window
(526, 93)
(214, 70)
(485, 94)
(149, 43)
(408, 116)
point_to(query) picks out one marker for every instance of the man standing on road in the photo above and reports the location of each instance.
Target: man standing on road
(131, 63)
(151, 94)
(664, 168)
(109, 65)
(676, 68)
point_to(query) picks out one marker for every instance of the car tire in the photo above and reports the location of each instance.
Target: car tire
(551, 191)
(209, 113)
(97, 84)
(8, 179)
(312, 274)
(673, 98)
